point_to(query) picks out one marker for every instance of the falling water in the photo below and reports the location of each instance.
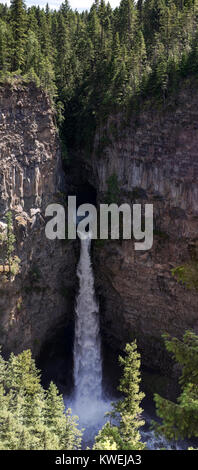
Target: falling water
(88, 403)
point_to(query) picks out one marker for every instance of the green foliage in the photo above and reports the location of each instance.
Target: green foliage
(15, 265)
(18, 20)
(108, 438)
(98, 62)
(127, 411)
(8, 241)
(30, 417)
(187, 274)
(180, 419)
(10, 237)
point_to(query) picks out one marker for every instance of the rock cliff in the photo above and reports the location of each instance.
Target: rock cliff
(155, 159)
(37, 301)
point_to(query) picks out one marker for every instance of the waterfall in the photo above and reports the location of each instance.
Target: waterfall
(87, 401)
(87, 346)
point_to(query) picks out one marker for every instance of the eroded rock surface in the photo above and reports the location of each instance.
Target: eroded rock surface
(39, 299)
(155, 160)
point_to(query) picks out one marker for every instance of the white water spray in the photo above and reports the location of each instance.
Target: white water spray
(87, 345)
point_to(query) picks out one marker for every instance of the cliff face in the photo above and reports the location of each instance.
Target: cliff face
(154, 158)
(38, 299)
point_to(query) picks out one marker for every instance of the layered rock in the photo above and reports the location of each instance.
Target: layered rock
(38, 300)
(155, 159)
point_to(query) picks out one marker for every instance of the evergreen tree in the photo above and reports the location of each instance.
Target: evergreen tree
(5, 47)
(18, 23)
(97, 60)
(127, 411)
(63, 58)
(31, 418)
(180, 419)
(32, 53)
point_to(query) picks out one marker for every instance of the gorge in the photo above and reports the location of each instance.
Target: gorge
(98, 106)
(153, 156)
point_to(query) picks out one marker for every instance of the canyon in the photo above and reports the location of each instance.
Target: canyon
(153, 156)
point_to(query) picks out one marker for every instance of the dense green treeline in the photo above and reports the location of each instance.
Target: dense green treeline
(32, 418)
(96, 61)
(35, 419)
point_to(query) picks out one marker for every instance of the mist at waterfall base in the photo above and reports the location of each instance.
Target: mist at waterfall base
(87, 400)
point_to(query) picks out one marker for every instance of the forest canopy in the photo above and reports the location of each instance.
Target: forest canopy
(31, 417)
(96, 61)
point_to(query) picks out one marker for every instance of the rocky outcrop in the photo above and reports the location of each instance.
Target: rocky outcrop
(38, 300)
(155, 159)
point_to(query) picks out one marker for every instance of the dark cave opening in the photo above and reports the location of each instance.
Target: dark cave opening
(85, 194)
(56, 359)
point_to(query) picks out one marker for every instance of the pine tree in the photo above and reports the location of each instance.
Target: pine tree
(65, 425)
(94, 29)
(5, 47)
(54, 401)
(65, 8)
(180, 419)
(44, 35)
(18, 23)
(31, 418)
(22, 374)
(32, 21)
(129, 408)
(127, 21)
(47, 76)
(127, 411)
(64, 73)
(32, 53)
(93, 61)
